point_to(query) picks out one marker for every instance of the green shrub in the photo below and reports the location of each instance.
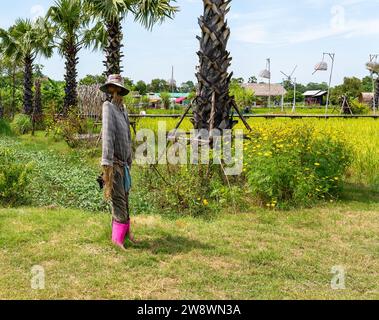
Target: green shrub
(295, 166)
(68, 128)
(359, 108)
(183, 190)
(21, 124)
(14, 179)
(5, 129)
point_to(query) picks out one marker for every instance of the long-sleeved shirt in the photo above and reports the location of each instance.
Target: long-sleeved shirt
(117, 142)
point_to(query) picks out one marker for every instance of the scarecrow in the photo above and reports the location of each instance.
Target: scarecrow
(117, 158)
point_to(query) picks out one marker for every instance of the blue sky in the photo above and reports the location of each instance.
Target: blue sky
(292, 32)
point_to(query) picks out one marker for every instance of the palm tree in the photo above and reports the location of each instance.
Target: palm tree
(70, 27)
(111, 13)
(213, 103)
(24, 42)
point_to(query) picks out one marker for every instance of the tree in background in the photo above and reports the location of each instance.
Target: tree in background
(69, 25)
(158, 85)
(367, 84)
(90, 80)
(166, 100)
(141, 87)
(37, 114)
(351, 87)
(244, 97)
(25, 41)
(316, 86)
(111, 13)
(187, 86)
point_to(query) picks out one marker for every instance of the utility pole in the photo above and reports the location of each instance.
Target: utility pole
(294, 96)
(332, 57)
(269, 82)
(172, 79)
(373, 59)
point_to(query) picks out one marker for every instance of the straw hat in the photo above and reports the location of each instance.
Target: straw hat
(115, 80)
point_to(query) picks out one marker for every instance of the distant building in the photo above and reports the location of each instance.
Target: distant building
(314, 97)
(367, 98)
(266, 90)
(176, 98)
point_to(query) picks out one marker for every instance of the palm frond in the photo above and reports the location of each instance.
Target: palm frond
(108, 10)
(151, 12)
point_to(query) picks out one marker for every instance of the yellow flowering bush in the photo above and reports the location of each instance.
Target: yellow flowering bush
(294, 165)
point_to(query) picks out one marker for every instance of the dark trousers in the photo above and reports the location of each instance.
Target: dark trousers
(120, 198)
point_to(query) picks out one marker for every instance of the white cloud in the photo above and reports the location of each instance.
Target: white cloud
(271, 28)
(37, 11)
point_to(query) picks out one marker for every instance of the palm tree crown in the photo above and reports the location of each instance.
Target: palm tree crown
(112, 12)
(24, 42)
(71, 32)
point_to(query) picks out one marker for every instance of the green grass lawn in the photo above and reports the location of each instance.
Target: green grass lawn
(253, 255)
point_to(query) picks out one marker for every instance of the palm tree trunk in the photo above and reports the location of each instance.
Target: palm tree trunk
(28, 84)
(37, 111)
(212, 110)
(113, 52)
(13, 104)
(71, 93)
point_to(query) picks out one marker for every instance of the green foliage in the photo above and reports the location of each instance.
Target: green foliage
(367, 84)
(58, 179)
(184, 190)
(14, 178)
(351, 87)
(68, 128)
(21, 124)
(359, 108)
(243, 97)
(295, 166)
(166, 99)
(289, 96)
(141, 87)
(89, 80)
(158, 85)
(5, 129)
(188, 86)
(53, 96)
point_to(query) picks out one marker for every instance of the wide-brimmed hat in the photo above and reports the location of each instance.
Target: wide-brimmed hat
(115, 80)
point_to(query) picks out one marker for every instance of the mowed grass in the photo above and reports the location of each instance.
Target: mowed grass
(253, 255)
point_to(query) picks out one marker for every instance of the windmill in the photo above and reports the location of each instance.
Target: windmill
(293, 81)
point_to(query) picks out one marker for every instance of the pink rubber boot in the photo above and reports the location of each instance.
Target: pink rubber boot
(119, 231)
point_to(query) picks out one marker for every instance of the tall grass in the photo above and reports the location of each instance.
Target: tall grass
(5, 129)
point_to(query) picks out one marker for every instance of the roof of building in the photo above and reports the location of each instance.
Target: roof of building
(176, 95)
(366, 97)
(314, 93)
(266, 90)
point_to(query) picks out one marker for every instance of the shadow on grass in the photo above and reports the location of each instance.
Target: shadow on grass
(359, 193)
(171, 245)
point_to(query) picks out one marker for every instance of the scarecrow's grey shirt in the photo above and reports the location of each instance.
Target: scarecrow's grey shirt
(116, 135)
